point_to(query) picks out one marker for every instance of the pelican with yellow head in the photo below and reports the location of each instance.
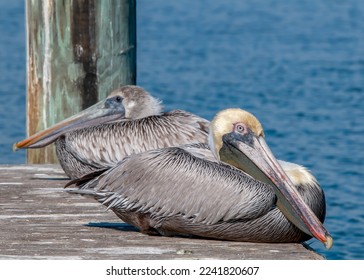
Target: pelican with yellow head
(238, 192)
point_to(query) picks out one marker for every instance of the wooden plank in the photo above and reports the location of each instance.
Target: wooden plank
(39, 220)
(77, 52)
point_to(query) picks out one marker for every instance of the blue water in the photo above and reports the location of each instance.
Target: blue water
(297, 65)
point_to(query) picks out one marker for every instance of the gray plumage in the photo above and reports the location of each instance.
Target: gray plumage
(184, 190)
(85, 150)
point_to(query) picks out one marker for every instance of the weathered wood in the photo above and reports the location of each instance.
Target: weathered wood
(77, 52)
(39, 220)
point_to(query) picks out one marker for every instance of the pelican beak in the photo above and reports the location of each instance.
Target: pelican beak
(252, 155)
(107, 110)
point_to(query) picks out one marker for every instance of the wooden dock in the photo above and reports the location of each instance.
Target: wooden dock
(39, 220)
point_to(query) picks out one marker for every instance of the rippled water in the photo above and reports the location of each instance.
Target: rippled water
(297, 65)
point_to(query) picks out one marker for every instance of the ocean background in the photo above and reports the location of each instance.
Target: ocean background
(297, 65)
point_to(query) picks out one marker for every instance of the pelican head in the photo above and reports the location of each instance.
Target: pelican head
(127, 102)
(237, 137)
(137, 102)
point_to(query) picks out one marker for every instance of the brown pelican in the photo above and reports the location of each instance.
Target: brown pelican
(129, 121)
(242, 195)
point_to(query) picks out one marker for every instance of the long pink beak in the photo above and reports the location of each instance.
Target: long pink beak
(102, 112)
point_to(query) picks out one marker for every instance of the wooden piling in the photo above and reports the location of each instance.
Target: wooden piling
(77, 52)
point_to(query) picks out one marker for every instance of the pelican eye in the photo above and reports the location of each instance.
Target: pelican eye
(239, 128)
(118, 99)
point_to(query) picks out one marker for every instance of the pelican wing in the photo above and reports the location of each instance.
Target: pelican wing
(181, 181)
(105, 145)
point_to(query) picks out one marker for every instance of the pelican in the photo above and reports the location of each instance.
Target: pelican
(128, 121)
(239, 193)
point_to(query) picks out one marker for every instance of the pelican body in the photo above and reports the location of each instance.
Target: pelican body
(129, 121)
(238, 192)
